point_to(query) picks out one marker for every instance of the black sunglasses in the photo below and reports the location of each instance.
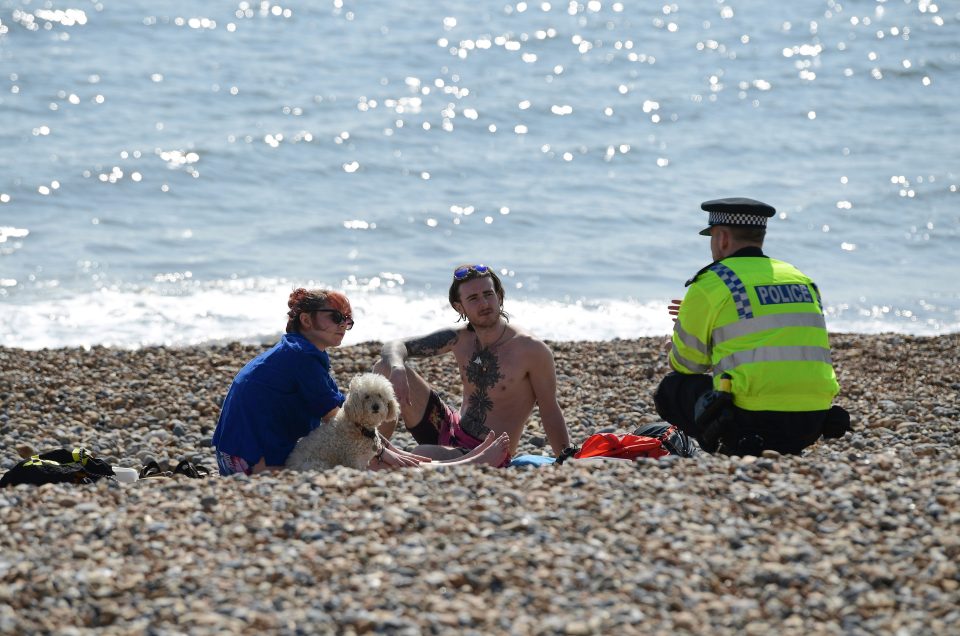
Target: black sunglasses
(337, 317)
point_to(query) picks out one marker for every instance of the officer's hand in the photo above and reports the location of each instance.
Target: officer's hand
(674, 308)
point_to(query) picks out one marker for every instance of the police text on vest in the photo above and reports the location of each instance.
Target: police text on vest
(782, 294)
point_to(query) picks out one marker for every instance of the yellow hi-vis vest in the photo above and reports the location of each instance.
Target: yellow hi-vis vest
(759, 320)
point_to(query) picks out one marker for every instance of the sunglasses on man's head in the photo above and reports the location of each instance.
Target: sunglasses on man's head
(463, 272)
(338, 317)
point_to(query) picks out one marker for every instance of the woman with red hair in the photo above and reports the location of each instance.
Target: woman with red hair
(288, 391)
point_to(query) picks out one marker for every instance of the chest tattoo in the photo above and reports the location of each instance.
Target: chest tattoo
(483, 371)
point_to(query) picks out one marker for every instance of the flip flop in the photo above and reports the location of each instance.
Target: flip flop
(188, 468)
(152, 470)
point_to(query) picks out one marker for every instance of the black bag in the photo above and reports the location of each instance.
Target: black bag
(674, 440)
(837, 423)
(59, 466)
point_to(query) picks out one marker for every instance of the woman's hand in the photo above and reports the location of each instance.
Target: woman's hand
(393, 457)
(389, 459)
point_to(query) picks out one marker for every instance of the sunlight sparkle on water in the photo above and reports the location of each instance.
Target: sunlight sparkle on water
(178, 158)
(173, 277)
(7, 232)
(67, 18)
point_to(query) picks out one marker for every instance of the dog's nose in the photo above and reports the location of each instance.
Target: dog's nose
(376, 408)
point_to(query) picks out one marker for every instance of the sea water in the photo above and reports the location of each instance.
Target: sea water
(170, 171)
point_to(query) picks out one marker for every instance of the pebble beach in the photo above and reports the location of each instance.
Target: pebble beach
(859, 535)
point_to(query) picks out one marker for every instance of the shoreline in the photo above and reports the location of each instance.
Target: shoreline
(858, 535)
(562, 320)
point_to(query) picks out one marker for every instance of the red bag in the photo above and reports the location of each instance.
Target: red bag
(623, 446)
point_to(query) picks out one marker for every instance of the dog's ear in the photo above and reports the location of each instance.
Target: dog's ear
(387, 387)
(354, 383)
(353, 406)
(393, 408)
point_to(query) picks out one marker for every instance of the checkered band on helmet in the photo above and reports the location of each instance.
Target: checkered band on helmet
(734, 218)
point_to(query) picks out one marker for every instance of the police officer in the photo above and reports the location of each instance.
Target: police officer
(757, 325)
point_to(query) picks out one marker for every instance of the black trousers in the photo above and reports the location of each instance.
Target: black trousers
(751, 432)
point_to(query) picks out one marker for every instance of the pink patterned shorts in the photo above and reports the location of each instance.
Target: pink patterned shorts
(231, 464)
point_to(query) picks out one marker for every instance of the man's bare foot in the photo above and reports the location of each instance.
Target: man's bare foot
(482, 446)
(494, 454)
(492, 451)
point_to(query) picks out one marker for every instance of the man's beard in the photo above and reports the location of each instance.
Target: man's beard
(486, 321)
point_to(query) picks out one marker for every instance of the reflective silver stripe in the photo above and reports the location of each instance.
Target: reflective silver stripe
(737, 289)
(774, 354)
(690, 364)
(690, 340)
(762, 323)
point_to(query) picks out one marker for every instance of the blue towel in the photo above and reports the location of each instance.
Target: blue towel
(532, 460)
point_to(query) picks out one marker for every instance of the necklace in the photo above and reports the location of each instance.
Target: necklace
(479, 351)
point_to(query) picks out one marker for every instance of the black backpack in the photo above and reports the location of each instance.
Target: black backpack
(59, 466)
(673, 439)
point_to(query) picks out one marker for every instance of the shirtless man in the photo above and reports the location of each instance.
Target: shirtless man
(505, 372)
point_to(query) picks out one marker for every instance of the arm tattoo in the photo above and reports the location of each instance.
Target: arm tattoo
(431, 344)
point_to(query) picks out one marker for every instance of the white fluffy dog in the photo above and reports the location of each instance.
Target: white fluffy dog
(350, 438)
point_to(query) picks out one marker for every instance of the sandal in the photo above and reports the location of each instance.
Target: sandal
(188, 468)
(152, 470)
